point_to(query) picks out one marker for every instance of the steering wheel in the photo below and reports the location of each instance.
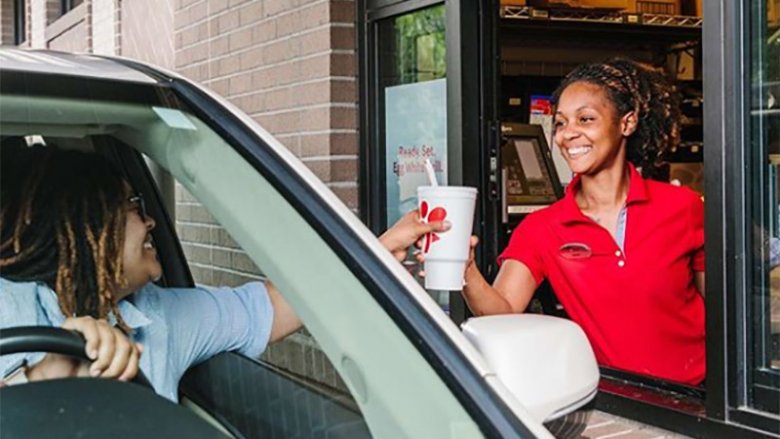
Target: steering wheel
(50, 339)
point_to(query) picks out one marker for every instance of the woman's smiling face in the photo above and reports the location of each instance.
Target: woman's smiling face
(588, 130)
(139, 256)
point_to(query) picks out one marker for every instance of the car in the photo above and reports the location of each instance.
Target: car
(411, 372)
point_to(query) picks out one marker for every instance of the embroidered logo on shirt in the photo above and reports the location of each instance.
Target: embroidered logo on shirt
(575, 250)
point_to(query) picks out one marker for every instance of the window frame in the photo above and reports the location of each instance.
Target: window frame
(20, 21)
(727, 215)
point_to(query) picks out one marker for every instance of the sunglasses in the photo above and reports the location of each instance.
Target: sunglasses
(137, 201)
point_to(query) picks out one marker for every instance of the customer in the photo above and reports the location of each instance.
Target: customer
(76, 251)
(623, 253)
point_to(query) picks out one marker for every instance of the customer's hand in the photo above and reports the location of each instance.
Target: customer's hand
(407, 231)
(114, 355)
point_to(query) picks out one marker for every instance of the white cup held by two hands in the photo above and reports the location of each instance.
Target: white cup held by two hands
(446, 253)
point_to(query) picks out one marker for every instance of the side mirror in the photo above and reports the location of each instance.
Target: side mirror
(546, 362)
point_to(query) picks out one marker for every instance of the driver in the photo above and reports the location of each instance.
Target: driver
(76, 251)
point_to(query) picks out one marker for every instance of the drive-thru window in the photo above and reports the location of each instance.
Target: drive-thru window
(468, 84)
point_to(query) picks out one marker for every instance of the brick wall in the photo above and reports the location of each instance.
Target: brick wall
(147, 31)
(6, 21)
(290, 65)
(104, 35)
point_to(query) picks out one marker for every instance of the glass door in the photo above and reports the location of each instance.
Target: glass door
(412, 96)
(762, 184)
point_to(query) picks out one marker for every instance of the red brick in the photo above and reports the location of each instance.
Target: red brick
(343, 38)
(342, 64)
(348, 195)
(198, 12)
(225, 23)
(278, 99)
(343, 143)
(251, 59)
(343, 170)
(315, 41)
(310, 94)
(221, 86)
(320, 168)
(280, 51)
(344, 118)
(264, 31)
(251, 13)
(277, 7)
(250, 104)
(315, 16)
(315, 67)
(240, 39)
(315, 119)
(280, 123)
(343, 91)
(240, 84)
(219, 46)
(314, 145)
(343, 12)
(192, 54)
(217, 6)
(233, 3)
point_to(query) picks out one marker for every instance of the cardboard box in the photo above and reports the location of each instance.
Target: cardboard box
(512, 2)
(773, 12)
(608, 4)
(666, 7)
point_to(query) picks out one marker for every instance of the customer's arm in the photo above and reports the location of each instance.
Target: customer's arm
(285, 320)
(406, 231)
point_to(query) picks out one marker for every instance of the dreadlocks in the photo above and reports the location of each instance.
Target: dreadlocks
(62, 223)
(635, 87)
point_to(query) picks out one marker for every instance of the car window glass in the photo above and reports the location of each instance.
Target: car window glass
(215, 259)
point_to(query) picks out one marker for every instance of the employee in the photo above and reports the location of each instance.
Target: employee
(623, 252)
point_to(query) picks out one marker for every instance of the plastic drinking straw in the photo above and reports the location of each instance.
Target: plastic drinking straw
(431, 173)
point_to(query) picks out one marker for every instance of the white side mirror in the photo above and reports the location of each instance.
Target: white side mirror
(546, 362)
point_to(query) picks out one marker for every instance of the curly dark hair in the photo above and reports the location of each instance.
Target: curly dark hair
(632, 86)
(62, 223)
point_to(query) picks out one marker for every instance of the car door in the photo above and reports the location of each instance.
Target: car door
(407, 367)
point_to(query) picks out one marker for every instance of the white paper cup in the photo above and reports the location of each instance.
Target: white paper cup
(446, 253)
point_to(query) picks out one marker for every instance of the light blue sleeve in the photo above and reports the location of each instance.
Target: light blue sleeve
(19, 306)
(205, 321)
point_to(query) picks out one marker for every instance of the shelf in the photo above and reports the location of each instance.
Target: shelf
(599, 16)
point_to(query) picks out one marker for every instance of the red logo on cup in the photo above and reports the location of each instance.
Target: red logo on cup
(436, 214)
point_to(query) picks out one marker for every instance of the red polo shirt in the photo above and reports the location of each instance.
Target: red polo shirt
(639, 306)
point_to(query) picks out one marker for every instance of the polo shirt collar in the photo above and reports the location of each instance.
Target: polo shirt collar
(637, 192)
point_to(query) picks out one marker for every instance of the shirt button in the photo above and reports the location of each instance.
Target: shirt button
(617, 253)
(621, 263)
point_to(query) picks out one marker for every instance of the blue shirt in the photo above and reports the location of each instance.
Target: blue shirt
(179, 327)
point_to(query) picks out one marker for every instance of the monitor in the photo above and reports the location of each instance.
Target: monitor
(528, 176)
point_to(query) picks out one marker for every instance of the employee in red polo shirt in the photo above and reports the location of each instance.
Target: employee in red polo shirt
(623, 253)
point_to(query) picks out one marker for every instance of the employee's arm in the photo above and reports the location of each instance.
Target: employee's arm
(698, 278)
(510, 293)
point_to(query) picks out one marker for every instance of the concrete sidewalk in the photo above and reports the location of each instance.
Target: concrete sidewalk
(605, 426)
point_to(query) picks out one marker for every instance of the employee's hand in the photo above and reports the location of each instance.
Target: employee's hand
(114, 355)
(473, 242)
(407, 231)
